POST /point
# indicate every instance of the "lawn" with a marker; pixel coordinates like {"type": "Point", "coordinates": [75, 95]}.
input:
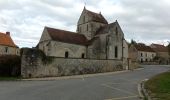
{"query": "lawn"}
{"type": "Point", "coordinates": [9, 78]}
{"type": "Point", "coordinates": [159, 86]}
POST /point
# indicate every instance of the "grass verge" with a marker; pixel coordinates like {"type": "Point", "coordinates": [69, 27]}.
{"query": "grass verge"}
{"type": "Point", "coordinates": [9, 78]}
{"type": "Point", "coordinates": [159, 86]}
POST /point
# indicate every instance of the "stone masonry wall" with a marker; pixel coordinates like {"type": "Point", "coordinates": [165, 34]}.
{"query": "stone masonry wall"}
{"type": "Point", "coordinates": [35, 65]}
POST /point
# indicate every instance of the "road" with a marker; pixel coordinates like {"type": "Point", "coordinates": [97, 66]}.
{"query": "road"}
{"type": "Point", "coordinates": [119, 86]}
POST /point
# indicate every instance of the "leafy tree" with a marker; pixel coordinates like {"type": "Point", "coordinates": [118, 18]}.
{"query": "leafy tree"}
{"type": "Point", "coordinates": [133, 42]}
{"type": "Point", "coordinates": [169, 48]}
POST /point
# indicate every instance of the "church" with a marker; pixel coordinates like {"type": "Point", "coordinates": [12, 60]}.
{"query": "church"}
{"type": "Point", "coordinates": [94, 38]}
{"type": "Point", "coordinates": [96, 47]}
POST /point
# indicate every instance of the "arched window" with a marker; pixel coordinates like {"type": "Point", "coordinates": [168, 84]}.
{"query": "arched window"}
{"type": "Point", "coordinates": [116, 51]}
{"type": "Point", "coordinates": [79, 29]}
{"type": "Point", "coordinates": [82, 56]}
{"type": "Point", "coordinates": [83, 19]}
{"type": "Point", "coordinates": [66, 54]}
{"type": "Point", "coordinates": [87, 27]}
{"type": "Point", "coordinates": [116, 31]}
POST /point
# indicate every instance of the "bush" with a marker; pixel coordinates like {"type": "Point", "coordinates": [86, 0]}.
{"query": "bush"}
{"type": "Point", "coordinates": [10, 65]}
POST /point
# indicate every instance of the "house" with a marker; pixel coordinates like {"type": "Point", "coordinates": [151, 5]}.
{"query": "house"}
{"type": "Point", "coordinates": [141, 53]}
{"type": "Point", "coordinates": [94, 38]}
{"type": "Point", "coordinates": [161, 53]}
{"type": "Point", "coordinates": [7, 45]}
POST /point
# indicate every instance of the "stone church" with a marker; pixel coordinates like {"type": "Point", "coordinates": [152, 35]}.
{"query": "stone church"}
{"type": "Point", "coordinates": [94, 38]}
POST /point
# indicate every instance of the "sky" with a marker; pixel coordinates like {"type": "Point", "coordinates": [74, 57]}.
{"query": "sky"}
{"type": "Point", "coordinates": [146, 21]}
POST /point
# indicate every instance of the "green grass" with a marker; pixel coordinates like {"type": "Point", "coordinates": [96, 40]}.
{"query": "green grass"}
{"type": "Point", "coordinates": [9, 78]}
{"type": "Point", "coordinates": [159, 86]}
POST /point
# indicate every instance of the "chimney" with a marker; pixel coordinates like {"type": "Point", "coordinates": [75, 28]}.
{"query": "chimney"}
{"type": "Point", "coordinates": [8, 33]}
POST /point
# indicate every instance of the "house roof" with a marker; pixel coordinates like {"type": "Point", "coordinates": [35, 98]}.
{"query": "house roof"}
{"type": "Point", "coordinates": [67, 36]}
{"type": "Point", "coordinates": [159, 48]}
{"type": "Point", "coordinates": [6, 40]}
{"type": "Point", "coordinates": [97, 17]}
{"type": "Point", "coordinates": [105, 29]}
{"type": "Point", "coordinates": [142, 47]}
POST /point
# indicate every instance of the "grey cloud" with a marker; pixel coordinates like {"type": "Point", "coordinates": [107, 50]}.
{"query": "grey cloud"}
{"type": "Point", "coordinates": [143, 20]}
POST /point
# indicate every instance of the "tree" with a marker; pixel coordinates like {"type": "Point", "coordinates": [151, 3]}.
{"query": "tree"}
{"type": "Point", "coordinates": [169, 48]}
{"type": "Point", "coordinates": [133, 41]}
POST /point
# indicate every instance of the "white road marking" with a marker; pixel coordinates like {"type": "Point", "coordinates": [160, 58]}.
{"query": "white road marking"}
{"type": "Point", "coordinates": [124, 91]}
{"type": "Point", "coordinates": [120, 98]}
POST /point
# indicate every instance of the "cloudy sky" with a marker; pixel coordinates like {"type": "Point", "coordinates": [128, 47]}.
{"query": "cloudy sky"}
{"type": "Point", "coordinates": [142, 20]}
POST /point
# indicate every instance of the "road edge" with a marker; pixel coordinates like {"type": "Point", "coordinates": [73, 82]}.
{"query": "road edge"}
{"type": "Point", "coordinates": [143, 93]}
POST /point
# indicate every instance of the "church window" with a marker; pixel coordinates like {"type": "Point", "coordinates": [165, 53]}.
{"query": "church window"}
{"type": "Point", "coordinates": [116, 31]}
{"type": "Point", "coordinates": [87, 27]}
{"type": "Point", "coordinates": [79, 29]}
{"type": "Point", "coordinates": [43, 48]}
{"type": "Point", "coordinates": [82, 56]}
{"type": "Point", "coordinates": [84, 19]}
{"type": "Point", "coordinates": [66, 54]}
{"type": "Point", "coordinates": [116, 51]}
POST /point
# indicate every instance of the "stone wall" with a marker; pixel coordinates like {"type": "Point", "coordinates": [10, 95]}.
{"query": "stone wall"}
{"type": "Point", "coordinates": [35, 64]}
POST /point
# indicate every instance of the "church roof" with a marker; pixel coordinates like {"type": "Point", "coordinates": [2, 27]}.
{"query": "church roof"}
{"type": "Point", "coordinates": [66, 36]}
{"type": "Point", "coordinates": [97, 17]}
{"type": "Point", "coordinates": [105, 29]}
{"type": "Point", "coordinates": [6, 40]}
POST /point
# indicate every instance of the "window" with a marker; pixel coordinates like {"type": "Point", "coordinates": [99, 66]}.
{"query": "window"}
{"type": "Point", "coordinates": [66, 54]}
{"type": "Point", "coordinates": [82, 56]}
{"type": "Point", "coordinates": [141, 54]}
{"type": "Point", "coordinates": [79, 29]}
{"type": "Point", "coordinates": [6, 49]}
{"type": "Point", "coordinates": [116, 31]}
{"type": "Point", "coordinates": [146, 54]}
{"type": "Point", "coordinates": [84, 19]}
{"type": "Point", "coordinates": [116, 52]}
{"type": "Point", "coordinates": [87, 27]}
{"type": "Point", "coordinates": [44, 48]}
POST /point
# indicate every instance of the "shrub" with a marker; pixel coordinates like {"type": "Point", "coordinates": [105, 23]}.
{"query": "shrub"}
{"type": "Point", "coordinates": [10, 65]}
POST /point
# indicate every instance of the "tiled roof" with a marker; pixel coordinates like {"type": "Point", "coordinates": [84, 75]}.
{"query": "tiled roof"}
{"type": "Point", "coordinates": [97, 17]}
{"type": "Point", "coordinates": [66, 36]}
{"type": "Point", "coordinates": [6, 40]}
{"type": "Point", "coordinates": [159, 48]}
{"type": "Point", "coordinates": [142, 47]}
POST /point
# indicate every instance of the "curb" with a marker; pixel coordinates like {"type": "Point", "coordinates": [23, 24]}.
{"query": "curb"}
{"type": "Point", "coordinates": [73, 77]}
{"type": "Point", "coordinates": [143, 93]}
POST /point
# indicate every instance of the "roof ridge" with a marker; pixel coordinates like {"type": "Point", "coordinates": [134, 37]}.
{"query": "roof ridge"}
{"type": "Point", "coordinates": [59, 29]}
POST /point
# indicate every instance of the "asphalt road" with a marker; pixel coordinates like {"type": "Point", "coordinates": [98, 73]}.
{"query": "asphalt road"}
{"type": "Point", "coordinates": [119, 86]}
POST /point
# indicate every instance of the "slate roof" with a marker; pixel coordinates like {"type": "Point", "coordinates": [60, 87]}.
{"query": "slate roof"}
{"type": "Point", "coordinates": [67, 36]}
{"type": "Point", "coordinates": [159, 48]}
{"type": "Point", "coordinates": [142, 47]}
{"type": "Point", "coordinates": [6, 40]}
{"type": "Point", "coordinates": [97, 17]}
